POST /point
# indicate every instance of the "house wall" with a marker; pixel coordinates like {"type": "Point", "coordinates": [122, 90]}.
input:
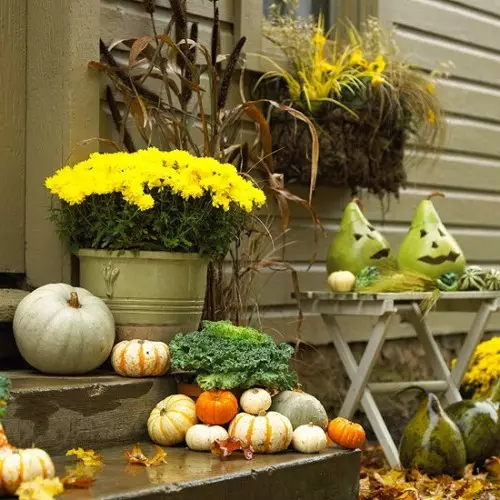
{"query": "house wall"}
{"type": "Point", "coordinates": [429, 32]}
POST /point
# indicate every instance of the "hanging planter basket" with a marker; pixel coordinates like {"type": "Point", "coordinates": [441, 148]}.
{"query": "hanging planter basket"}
{"type": "Point", "coordinates": [366, 151]}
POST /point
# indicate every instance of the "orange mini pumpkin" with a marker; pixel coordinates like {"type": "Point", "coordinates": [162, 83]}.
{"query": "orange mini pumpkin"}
{"type": "Point", "coordinates": [345, 433]}
{"type": "Point", "coordinates": [216, 407]}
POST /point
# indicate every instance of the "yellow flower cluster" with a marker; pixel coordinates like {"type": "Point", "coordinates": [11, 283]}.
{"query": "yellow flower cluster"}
{"type": "Point", "coordinates": [484, 369]}
{"type": "Point", "coordinates": [134, 174]}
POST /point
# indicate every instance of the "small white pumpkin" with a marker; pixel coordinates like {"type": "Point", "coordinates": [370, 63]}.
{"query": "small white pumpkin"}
{"type": "Point", "coordinates": [267, 433]}
{"type": "Point", "coordinates": [341, 281]}
{"type": "Point", "coordinates": [19, 465]}
{"type": "Point", "coordinates": [309, 439]}
{"type": "Point", "coordinates": [140, 358]}
{"type": "Point", "coordinates": [201, 436]}
{"type": "Point", "coordinates": [170, 420]}
{"type": "Point", "coordinates": [64, 330]}
{"type": "Point", "coordinates": [254, 401]}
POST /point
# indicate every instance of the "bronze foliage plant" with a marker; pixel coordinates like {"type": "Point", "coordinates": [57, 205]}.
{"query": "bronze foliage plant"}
{"type": "Point", "coordinates": [177, 90]}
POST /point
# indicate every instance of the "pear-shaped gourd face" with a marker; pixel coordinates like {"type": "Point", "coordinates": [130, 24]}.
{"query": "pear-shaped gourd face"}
{"type": "Point", "coordinates": [356, 244]}
{"type": "Point", "coordinates": [428, 248]}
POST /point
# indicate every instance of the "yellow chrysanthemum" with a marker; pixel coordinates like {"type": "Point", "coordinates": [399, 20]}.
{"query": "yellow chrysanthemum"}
{"type": "Point", "coordinates": [134, 175]}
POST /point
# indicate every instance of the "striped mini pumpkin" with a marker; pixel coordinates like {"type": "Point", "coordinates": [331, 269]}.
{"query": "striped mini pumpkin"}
{"type": "Point", "coordinates": [140, 358]}
{"type": "Point", "coordinates": [19, 465]}
{"type": "Point", "coordinates": [171, 419]}
{"type": "Point", "coordinates": [266, 433]}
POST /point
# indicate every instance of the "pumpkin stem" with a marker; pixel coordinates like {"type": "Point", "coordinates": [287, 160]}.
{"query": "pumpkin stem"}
{"type": "Point", "coordinates": [434, 194]}
{"type": "Point", "coordinates": [73, 301]}
{"type": "Point", "coordinates": [359, 203]}
{"type": "Point", "coordinates": [262, 413]}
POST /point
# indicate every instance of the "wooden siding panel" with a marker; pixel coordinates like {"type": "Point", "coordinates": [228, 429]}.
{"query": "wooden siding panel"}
{"type": "Point", "coordinates": [12, 134]}
{"type": "Point", "coordinates": [489, 6]}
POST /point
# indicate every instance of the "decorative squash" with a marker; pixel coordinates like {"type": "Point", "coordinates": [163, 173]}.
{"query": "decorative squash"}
{"type": "Point", "coordinates": [309, 439]}
{"type": "Point", "coordinates": [266, 433]}
{"type": "Point", "coordinates": [64, 330]}
{"type": "Point", "coordinates": [341, 281]}
{"type": "Point", "coordinates": [170, 420]}
{"type": "Point", "coordinates": [346, 434]}
{"type": "Point", "coordinates": [447, 282]}
{"type": "Point", "coordinates": [473, 279]}
{"type": "Point", "coordinates": [18, 465]}
{"type": "Point", "coordinates": [201, 436]}
{"type": "Point", "coordinates": [216, 407]}
{"type": "Point", "coordinates": [140, 358]}
{"type": "Point", "coordinates": [254, 401]}
{"type": "Point", "coordinates": [492, 280]}
{"type": "Point", "coordinates": [300, 408]}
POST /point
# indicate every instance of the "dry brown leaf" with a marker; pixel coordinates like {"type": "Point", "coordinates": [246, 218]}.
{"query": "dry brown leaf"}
{"type": "Point", "coordinates": [492, 465]}
{"type": "Point", "coordinates": [80, 475]}
{"type": "Point", "coordinates": [225, 447]}
{"type": "Point", "coordinates": [40, 489]}
{"type": "Point", "coordinates": [88, 457]}
{"type": "Point", "coordinates": [137, 457]}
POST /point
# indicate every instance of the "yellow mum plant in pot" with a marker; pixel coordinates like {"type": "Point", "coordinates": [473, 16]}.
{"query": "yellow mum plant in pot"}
{"type": "Point", "coordinates": [145, 226]}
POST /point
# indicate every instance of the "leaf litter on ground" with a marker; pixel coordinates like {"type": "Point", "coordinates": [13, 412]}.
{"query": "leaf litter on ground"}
{"type": "Point", "coordinates": [379, 482]}
{"type": "Point", "coordinates": [137, 457]}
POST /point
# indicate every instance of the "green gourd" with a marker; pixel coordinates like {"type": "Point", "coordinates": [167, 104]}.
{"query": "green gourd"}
{"type": "Point", "coordinates": [300, 408]}
{"type": "Point", "coordinates": [432, 442]}
{"type": "Point", "coordinates": [492, 280]}
{"type": "Point", "coordinates": [448, 282]}
{"type": "Point", "coordinates": [473, 279]}
{"type": "Point", "coordinates": [428, 248]}
{"type": "Point", "coordinates": [479, 424]}
{"type": "Point", "coordinates": [357, 244]}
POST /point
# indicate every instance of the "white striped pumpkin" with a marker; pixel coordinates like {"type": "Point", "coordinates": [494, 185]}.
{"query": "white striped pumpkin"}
{"type": "Point", "coordinates": [266, 433]}
{"type": "Point", "coordinates": [171, 419]}
{"type": "Point", "coordinates": [19, 465]}
{"type": "Point", "coordinates": [140, 358]}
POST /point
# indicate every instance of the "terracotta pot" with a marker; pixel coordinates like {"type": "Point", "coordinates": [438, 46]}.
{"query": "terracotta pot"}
{"type": "Point", "coordinates": [152, 295]}
{"type": "Point", "coordinates": [194, 391]}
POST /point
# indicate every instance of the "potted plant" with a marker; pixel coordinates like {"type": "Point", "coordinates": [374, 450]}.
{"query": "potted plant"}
{"type": "Point", "coordinates": [364, 100]}
{"type": "Point", "coordinates": [145, 225]}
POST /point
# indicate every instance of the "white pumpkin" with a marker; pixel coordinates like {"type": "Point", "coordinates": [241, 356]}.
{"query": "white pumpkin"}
{"type": "Point", "coordinates": [64, 330]}
{"type": "Point", "coordinates": [201, 436]}
{"type": "Point", "coordinates": [254, 401]}
{"type": "Point", "coordinates": [309, 439]}
{"type": "Point", "coordinates": [266, 433]}
{"type": "Point", "coordinates": [19, 465]}
{"type": "Point", "coordinates": [140, 358]}
{"type": "Point", "coordinates": [170, 420]}
{"type": "Point", "coordinates": [341, 281]}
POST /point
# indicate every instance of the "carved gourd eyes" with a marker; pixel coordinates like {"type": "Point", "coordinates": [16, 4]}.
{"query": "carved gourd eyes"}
{"type": "Point", "coordinates": [371, 228]}
{"type": "Point", "coordinates": [423, 233]}
{"type": "Point", "coordinates": [357, 236]}
{"type": "Point", "coordinates": [441, 233]}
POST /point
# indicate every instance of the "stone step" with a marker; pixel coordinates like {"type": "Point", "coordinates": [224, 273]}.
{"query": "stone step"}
{"type": "Point", "coordinates": [188, 475]}
{"type": "Point", "coordinates": [102, 409]}
{"type": "Point", "coordinates": [9, 300]}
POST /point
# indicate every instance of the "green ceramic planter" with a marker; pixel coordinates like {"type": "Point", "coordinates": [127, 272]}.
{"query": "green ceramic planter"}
{"type": "Point", "coordinates": [152, 295]}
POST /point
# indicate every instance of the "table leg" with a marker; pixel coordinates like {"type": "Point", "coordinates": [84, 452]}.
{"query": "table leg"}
{"type": "Point", "coordinates": [431, 348]}
{"type": "Point", "coordinates": [353, 372]}
{"type": "Point", "coordinates": [472, 340]}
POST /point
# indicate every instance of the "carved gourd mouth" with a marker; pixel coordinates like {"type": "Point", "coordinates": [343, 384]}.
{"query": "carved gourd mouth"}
{"type": "Point", "coordinates": [440, 259]}
{"type": "Point", "coordinates": [381, 254]}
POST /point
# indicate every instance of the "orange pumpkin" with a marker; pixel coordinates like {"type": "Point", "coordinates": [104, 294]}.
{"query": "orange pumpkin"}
{"type": "Point", "coordinates": [216, 407]}
{"type": "Point", "coordinates": [345, 433]}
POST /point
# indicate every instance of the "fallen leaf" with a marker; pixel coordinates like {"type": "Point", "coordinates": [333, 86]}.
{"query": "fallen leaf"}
{"type": "Point", "coordinates": [82, 482]}
{"type": "Point", "coordinates": [80, 475]}
{"type": "Point", "coordinates": [492, 465]}
{"type": "Point", "coordinates": [88, 457]}
{"type": "Point", "coordinates": [137, 457]}
{"type": "Point", "coordinates": [225, 447]}
{"type": "Point", "coordinates": [40, 489]}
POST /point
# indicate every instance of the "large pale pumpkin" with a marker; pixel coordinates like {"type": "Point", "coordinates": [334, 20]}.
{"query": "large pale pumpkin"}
{"type": "Point", "coordinates": [200, 437]}
{"type": "Point", "coordinates": [140, 358]}
{"type": "Point", "coordinates": [267, 433]}
{"type": "Point", "coordinates": [18, 465]}
{"type": "Point", "coordinates": [300, 408]}
{"type": "Point", "coordinates": [170, 420]}
{"type": "Point", "coordinates": [64, 330]}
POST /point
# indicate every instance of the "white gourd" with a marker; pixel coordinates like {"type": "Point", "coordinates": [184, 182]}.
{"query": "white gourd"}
{"type": "Point", "coordinates": [60, 329]}
{"type": "Point", "coordinates": [309, 439]}
{"type": "Point", "coordinates": [266, 433]}
{"type": "Point", "coordinates": [341, 281]}
{"type": "Point", "coordinates": [254, 401]}
{"type": "Point", "coordinates": [170, 420]}
{"type": "Point", "coordinates": [201, 436]}
{"type": "Point", "coordinates": [19, 465]}
{"type": "Point", "coordinates": [140, 358]}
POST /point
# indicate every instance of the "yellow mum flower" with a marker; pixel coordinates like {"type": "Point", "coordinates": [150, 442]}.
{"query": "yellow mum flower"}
{"type": "Point", "coordinates": [358, 59]}
{"type": "Point", "coordinates": [431, 117]}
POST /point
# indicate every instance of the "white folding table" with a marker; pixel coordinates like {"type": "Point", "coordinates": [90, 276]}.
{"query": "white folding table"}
{"type": "Point", "coordinates": [384, 307]}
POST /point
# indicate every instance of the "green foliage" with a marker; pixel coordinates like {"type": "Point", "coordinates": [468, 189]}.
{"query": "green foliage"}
{"type": "Point", "coordinates": [5, 386]}
{"type": "Point", "coordinates": [366, 277]}
{"type": "Point", "coordinates": [228, 356]}
{"type": "Point", "coordinates": [173, 224]}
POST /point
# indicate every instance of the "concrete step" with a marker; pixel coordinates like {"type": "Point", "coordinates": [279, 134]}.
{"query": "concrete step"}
{"type": "Point", "coordinates": [58, 413]}
{"type": "Point", "coordinates": [188, 475]}
{"type": "Point", "coordinates": [9, 300]}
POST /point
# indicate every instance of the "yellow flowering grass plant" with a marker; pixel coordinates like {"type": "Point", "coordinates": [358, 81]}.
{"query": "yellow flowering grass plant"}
{"type": "Point", "coordinates": [484, 368]}
{"type": "Point", "coordinates": [153, 200]}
